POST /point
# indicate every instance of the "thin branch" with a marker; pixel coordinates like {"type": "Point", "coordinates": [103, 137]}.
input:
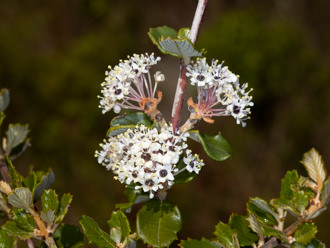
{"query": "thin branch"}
{"type": "Point", "coordinates": [196, 25]}
{"type": "Point", "coordinates": [273, 242]}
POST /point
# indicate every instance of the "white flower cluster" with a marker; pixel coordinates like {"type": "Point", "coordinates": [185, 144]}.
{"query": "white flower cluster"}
{"type": "Point", "coordinates": [216, 85]}
{"type": "Point", "coordinates": [146, 158]}
{"type": "Point", "coordinates": [127, 82]}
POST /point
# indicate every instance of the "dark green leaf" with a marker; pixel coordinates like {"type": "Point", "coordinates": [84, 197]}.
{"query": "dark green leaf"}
{"type": "Point", "coordinates": [158, 223]}
{"type": "Point", "coordinates": [240, 225]}
{"type": "Point", "coordinates": [119, 222]}
{"type": "Point", "coordinates": [216, 147]}
{"type": "Point", "coordinates": [300, 200]}
{"type": "Point", "coordinates": [63, 207]}
{"type": "Point", "coordinates": [270, 231]}
{"type": "Point", "coordinates": [44, 183]}
{"type": "Point", "coordinates": [94, 234]}
{"type": "Point", "coordinates": [16, 134]}
{"type": "Point", "coordinates": [131, 119]}
{"type": "Point", "coordinates": [291, 177]}
{"type": "Point", "coordinates": [156, 34]}
{"type": "Point", "coordinates": [49, 200]}
{"type": "Point", "coordinates": [264, 212]}
{"type": "Point", "coordinates": [4, 99]}
{"type": "Point", "coordinates": [204, 243]}
{"type": "Point", "coordinates": [224, 234]}
{"type": "Point", "coordinates": [6, 241]}
{"type": "Point", "coordinates": [23, 220]}
{"type": "Point", "coordinates": [68, 236]}
{"type": "Point", "coordinates": [21, 198]}
{"type": "Point", "coordinates": [185, 176]}
{"type": "Point", "coordinates": [305, 233]}
{"type": "Point", "coordinates": [30, 181]}
{"type": "Point", "coordinates": [14, 176]}
{"type": "Point", "coordinates": [114, 131]}
{"type": "Point", "coordinates": [12, 229]}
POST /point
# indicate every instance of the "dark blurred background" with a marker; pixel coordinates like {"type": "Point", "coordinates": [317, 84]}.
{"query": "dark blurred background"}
{"type": "Point", "coordinates": [53, 55]}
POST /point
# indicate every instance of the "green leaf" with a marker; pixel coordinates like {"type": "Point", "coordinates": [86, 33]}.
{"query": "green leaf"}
{"type": "Point", "coordinates": [305, 233]}
{"type": "Point", "coordinates": [16, 134]}
{"type": "Point", "coordinates": [184, 33]}
{"type": "Point", "coordinates": [6, 241]}
{"type": "Point", "coordinates": [14, 176]}
{"type": "Point", "coordinates": [49, 200]}
{"type": "Point", "coordinates": [291, 177]}
{"type": "Point", "coordinates": [68, 236]}
{"type": "Point", "coordinates": [255, 226]}
{"type": "Point", "coordinates": [94, 233]}
{"type": "Point", "coordinates": [204, 243]}
{"type": "Point", "coordinates": [185, 176]}
{"type": "Point", "coordinates": [131, 119]}
{"type": "Point", "coordinates": [63, 207]}
{"type": "Point", "coordinates": [156, 34]}
{"type": "Point", "coordinates": [48, 216]}
{"type": "Point", "coordinates": [30, 181]}
{"type": "Point", "coordinates": [314, 244]}
{"type": "Point", "coordinates": [21, 198]}
{"type": "Point", "coordinates": [224, 234]}
{"type": "Point", "coordinates": [4, 99]}
{"type": "Point", "coordinates": [216, 147]}
{"type": "Point", "coordinates": [119, 224]}
{"type": "Point", "coordinates": [300, 200]}
{"type": "Point", "coordinates": [240, 225]}
{"type": "Point", "coordinates": [44, 183]}
{"type": "Point", "coordinates": [270, 231]}
{"type": "Point", "coordinates": [264, 212]}
{"type": "Point", "coordinates": [158, 223]}
{"type": "Point", "coordinates": [286, 205]}
{"type": "Point", "coordinates": [134, 197]}
{"type": "Point", "coordinates": [2, 117]}
{"type": "Point", "coordinates": [12, 229]}
{"type": "Point", "coordinates": [114, 131]}
{"type": "Point", "coordinates": [23, 220]}
{"type": "Point", "coordinates": [325, 191]}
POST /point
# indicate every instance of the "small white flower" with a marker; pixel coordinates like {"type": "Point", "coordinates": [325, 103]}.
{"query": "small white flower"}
{"type": "Point", "coordinates": [194, 164]}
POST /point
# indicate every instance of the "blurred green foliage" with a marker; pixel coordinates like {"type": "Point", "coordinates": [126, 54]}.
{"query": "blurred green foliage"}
{"type": "Point", "coordinates": [53, 56]}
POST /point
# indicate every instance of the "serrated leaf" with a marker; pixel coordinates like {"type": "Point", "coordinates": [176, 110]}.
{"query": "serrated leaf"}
{"type": "Point", "coordinates": [68, 236]}
{"type": "Point", "coordinates": [300, 200]}
{"type": "Point", "coordinates": [95, 234]}
{"type": "Point", "coordinates": [224, 234]}
{"type": "Point", "coordinates": [14, 176]}
{"type": "Point", "coordinates": [305, 233]}
{"type": "Point", "coordinates": [204, 243]}
{"type": "Point", "coordinates": [290, 178]}
{"type": "Point", "coordinates": [23, 220]}
{"type": "Point", "coordinates": [49, 200]}
{"type": "Point", "coordinates": [44, 183]}
{"type": "Point", "coordinates": [216, 147]}
{"type": "Point", "coordinates": [4, 99]}
{"type": "Point", "coordinates": [265, 214]}
{"type": "Point", "coordinates": [131, 119]}
{"type": "Point", "coordinates": [240, 225]}
{"type": "Point", "coordinates": [21, 198]}
{"type": "Point", "coordinates": [158, 223]}
{"type": "Point", "coordinates": [325, 191]}
{"type": "Point", "coordinates": [314, 166]}
{"type": "Point", "coordinates": [48, 216]}
{"type": "Point", "coordinates": [286, 205]}
{"type": "Point", "coordinates": [63, 207]}
{"type": "Point", "coordinates": [6, 241]}
{"type": "Point", "coordinates": [315, 243]}
{"type": "Point", "coordinates": [156, 34]}
{"type": "Point", "coordinates": [16, 134]}
{"type": "Point", "coordinates": [119, 226]}
{"type": "Point", "coordinates": [30, 181]}
{"type": "Point", "coordinates": [270, 231]}
{"type": "Point", "coordinates": [255, 226]}
{"type": "Point", "coordinates": [12, 229]}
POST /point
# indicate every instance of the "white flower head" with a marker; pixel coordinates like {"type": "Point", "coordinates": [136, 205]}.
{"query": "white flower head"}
{"type": "Point", "coordinates": [194, 164]}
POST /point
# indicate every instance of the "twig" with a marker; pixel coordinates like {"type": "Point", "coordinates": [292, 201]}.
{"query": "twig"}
{"type": "Point", "coordinates": [182, 81]}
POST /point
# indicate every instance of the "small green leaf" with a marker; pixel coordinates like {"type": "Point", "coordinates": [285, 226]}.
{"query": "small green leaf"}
{"type": "Point", "coordinates": [14, 176]}
{"type": "Point", "coordinates": [255, 226]}
{"type": "Point", "coordinates": [300, 200]}
{"type": "Point", "coordinates": [44, 183]}
{"type": "Point", "coordinates": [131, 119]}
{"type": "Point", "coordinates": [184, 33]}
{"type": "Point", "coordinates": [240, 225]}
{"type": "Point", "coordinates": [119, 222]}
{"type": "Point", "coordinates": [63, 207]}
{"type": "Point", "coordinates": [156, 34]}
{"type": "Point", "coordinates": [49, 200]}
{"type": "Point", "coordinates": [325, 191]}
{"type": "Point", "coordinates": [270, 231]}
{"type": "Point", "coordinates": [290, 178]}
{"type": "Point", "coordinates": [23, 220]}
{"type": "Point", "coordinates": [204, 243]}
{"type": "Point", "coordinates": [6, 241]}
{"type": "Point", "coordinates": [4, 99]}
{"type": "Point", "coordinates": [94, 233]}
{"type": "Point", "coordinates": [286, 205]}
{"type": "Point", "coordinates": [12, 229]}
{"type": "Point", "coordinates": [264, 212]}
{"type": "Point", "coordinates": [305, 233]}
{"type": "Point", "coordinates": [216, 147]}
{"type": "Point", "coordinates": [30, 181]}
{"type": "Point", "coordinates": [158, 223]}
{"type": "Point", "coordinates": [48, 216]}
{"type": "Point", "coordinates": [21, 198]}
{"type": "Point", "coordinates": [224, 234]}
{"type": "Point", "coordinates": [68, 236]}
{"type": "Point", "coordinates": [16, 134]}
